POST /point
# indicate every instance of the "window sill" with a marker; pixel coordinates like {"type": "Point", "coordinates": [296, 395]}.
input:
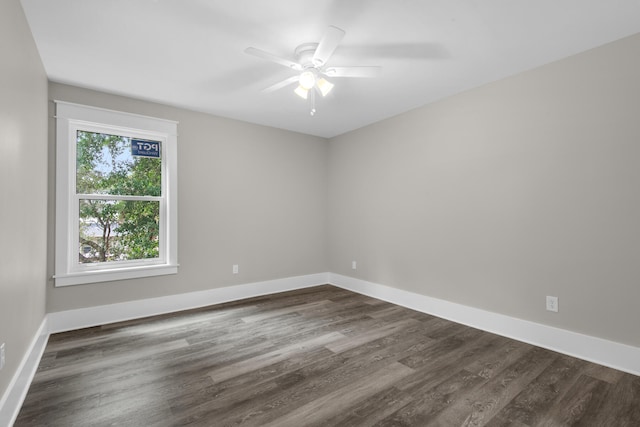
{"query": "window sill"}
{"type": "Point", "coordinates": [114, 274]}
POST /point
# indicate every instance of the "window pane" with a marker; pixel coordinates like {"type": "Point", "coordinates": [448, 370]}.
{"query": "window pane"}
{"type": "Point", "coordinates": [105, 165]}
{"type": "Point", "coordinates": [118, 230]}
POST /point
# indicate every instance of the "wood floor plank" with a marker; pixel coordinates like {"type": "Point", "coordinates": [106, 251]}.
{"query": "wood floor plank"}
{"type": "Point", "coordinates": [485, 349]}
{"type": "Point", "coordinates": [479, 407]}
{"type": "Point", "coordinates": [316, 412]}
{"type": "Point", "coordinates": [622, 405]}
{"type": "Point", "coordinates": [429, 401]}
{"type": "Point", "coordinates": [580, 405]}
{"type": "Point", "coordinates": [531, 405]}
{"type": "Point", "coordinates": [263, 315]}
{"type": "Point", "coordinates": [304, 385]}
{"type": "Point", "coordinates": [371, 410]}
{"type": "Point", "coordinates": [446, 347]}
{"type": "Point", "coordinates": [320, 356]}
{"type": "Point", "coordinates": [278, 395]}
{"type": "Point", "coordinates": [272, 357]}
{"type": "Point", "coordinates": [240, 395]}
{"type": "Point", "coordinates": [347, 343]}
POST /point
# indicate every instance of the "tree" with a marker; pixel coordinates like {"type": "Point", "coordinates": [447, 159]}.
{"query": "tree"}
{"type": "Point", "coordinates": [114, 229]}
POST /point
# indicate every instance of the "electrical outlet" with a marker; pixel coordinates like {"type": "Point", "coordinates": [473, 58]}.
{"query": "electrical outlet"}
{"type": "Point", "coordinates": [1, 355]}
{"type": "Point", "coordinates": [353, 265]}
{"type": "Point", "coordinates": [552, 303]}
{"type": "Point", "coordinates": [235, 268]}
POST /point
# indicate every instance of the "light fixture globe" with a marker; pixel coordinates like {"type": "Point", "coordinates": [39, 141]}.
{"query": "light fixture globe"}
{"type": "Point", "coordinates": [324, 86]}
{"type": "Point", "coordinates": [307, 79]}
{"type": "Point", "coordinates": [301, 92]}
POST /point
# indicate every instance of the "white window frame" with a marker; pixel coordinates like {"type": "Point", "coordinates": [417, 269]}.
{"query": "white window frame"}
{"type": "Point", "coordinates": [73, 117]}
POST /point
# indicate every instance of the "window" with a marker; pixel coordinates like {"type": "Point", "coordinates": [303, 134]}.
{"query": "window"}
{"type": "Point", "coordinates": [116, 184]}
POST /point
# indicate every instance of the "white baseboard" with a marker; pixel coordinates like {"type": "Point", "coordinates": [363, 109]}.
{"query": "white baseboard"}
{"type": "Point", "coordinates": [608, 353]}
{"type": "Point", "coordinates": [13, 397]}
{"type": "Point", "coordinates": [16, 392]}
{"type": "Point", "coordinates": [101, 315]}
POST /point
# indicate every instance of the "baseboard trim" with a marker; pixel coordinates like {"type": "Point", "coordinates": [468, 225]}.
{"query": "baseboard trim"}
{"type": "Point", "coordinates": [13, 397]}
{"type": "Point", "coordinates": [101, 315]}
{"type": "Point", "coordinates": [597, 350]}
{"type": "Point", "coordinates": [62, 321]}
{"type": "Point", "coordinates": [608, 353]}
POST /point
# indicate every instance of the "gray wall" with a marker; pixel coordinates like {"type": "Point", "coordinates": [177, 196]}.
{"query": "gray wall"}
{"type": "Point", "coordinates": [503, 194]}
{"type": "Point", "coordinates": [248, 195]}
{"type": "Point", "coordinates": [23, 187]}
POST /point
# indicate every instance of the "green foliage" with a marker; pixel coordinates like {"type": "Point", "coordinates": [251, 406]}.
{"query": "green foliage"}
{"type": "Point", "coordinates": [112, 230]}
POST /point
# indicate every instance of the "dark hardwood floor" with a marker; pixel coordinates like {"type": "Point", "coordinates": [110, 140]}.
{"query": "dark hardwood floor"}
{"type": "Point", "coordinates": [321, 356]}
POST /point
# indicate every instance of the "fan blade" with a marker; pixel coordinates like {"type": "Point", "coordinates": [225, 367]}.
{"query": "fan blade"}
{"type": "Point", "coordinates": [353, 71]}
{"type": "Point", "coordinates": [327, 45]}
{"type": "Point", "coordinates": [280, 85]}
{"type": "Point", "coordinates": [273, 58]}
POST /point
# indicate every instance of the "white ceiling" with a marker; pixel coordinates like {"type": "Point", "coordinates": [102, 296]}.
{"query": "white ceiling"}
{"type": "Point", "coordinates": [190, 53]}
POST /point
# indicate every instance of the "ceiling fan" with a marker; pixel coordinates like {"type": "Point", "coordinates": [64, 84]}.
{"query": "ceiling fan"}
{"type": "Point", "coordinates": [310, 63]}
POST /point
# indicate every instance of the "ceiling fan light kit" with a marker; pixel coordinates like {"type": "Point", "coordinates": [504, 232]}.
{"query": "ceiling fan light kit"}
{"type": "Point", "coordinates": [307, 79]}
{"type": "Point", "coordinates": [301, 92]}
{"type": "Point", "coordinates": [311, 61]}
{"type": "Point", "coordinates": [324, 86]}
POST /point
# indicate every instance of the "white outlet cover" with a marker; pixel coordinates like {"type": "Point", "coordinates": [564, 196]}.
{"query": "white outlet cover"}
{"type": "Point", "coordinates": [552, 303]}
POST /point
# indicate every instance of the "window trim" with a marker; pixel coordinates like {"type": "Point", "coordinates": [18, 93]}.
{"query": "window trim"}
{"type": "Point", "coordinates": [71, 117]}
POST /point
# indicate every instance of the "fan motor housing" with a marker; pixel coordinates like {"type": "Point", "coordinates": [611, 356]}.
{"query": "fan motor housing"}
{"type": "Point", "coordinates": [304, 54]}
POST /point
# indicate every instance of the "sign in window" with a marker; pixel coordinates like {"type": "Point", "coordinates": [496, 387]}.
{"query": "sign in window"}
{"type": "Point", "coordinates": [143, 148]}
